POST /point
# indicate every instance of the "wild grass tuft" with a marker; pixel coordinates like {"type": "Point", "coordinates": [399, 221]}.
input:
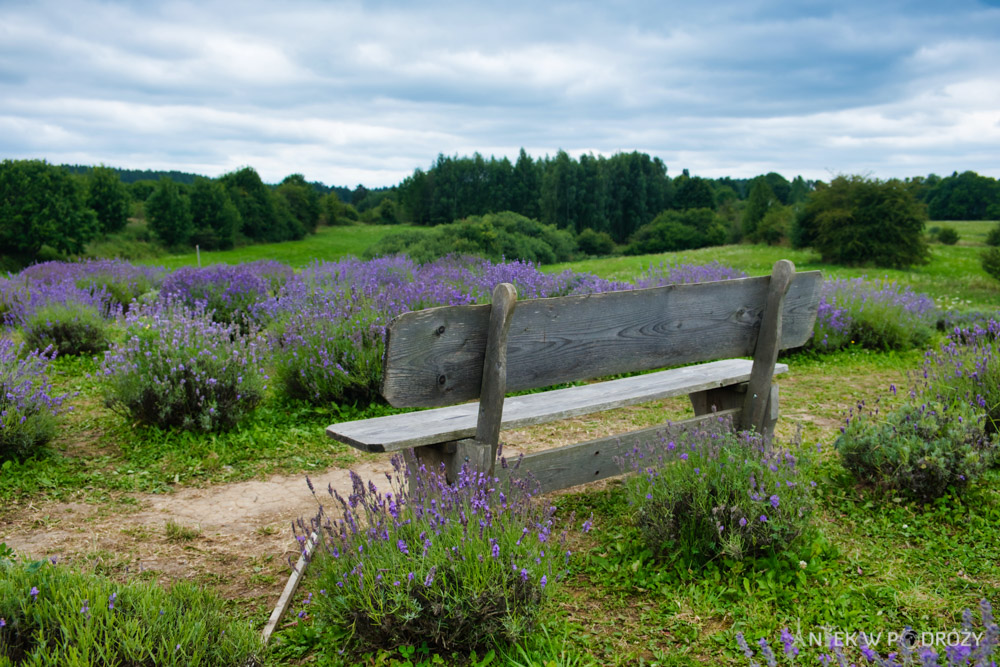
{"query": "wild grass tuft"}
{"type": "Point", "coordinates": [51, 615]}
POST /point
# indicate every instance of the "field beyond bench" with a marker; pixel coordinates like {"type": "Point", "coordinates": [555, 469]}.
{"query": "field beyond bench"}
{"type": "Point", "coordinates": [444, 357]}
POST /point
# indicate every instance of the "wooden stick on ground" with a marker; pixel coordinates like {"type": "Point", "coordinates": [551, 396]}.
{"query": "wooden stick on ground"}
{"type": "Point", "coordinates": [285, 600]}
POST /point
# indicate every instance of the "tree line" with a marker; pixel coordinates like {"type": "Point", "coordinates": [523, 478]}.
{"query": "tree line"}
{"type": "Point", "coordinates": [49, 212]}
{"type": "Point", "coordinates": [623, 203]}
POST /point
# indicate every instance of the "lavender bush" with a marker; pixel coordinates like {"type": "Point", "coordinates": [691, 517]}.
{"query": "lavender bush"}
{"type": "Point", "coordinates": [967, 368]}
{"type": "Point", "coordinates": [120, 282]}
{"type": "Point", "coordinates": [460, 567]}
{"type": "Point", "coordinates": [176, 368]}
{"type": "Point", "coordinates": [921, 449]}
{"type": "Point", "coordinates": [27, 405]}
{"type": "Point", "coordinates": [878, 315]}
{"type": "Point", "coordinates": [713, 492]}
{"type": "Point", "coordinates": [230, 294]}
{"type": "Point", "coordinates": [975, 647]}
{"type": "Point", "coordinates": [68, 328]}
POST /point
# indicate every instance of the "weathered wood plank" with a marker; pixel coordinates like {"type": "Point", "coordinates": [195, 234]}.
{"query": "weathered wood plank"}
{"type": "Point", "coordinates": [755, 410]}
{"type": "Point", "coordinates": [395, 432]}
{"type": "Point", "coordinates": [563, 467]}
{"type": "Point", "coordinates": [494, 387]}
{"type": "Point", "coordinates": [434, 357]}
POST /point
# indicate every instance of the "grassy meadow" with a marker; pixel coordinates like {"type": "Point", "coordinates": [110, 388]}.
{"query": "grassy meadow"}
{"type": "Point", "coordinates": [872, 562]}
{"type": "Point", "coordinates": [328, 243]}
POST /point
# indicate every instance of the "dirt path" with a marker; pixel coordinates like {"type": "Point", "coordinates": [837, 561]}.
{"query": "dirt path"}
{"type": "Point", "coordinates": [236, 537]}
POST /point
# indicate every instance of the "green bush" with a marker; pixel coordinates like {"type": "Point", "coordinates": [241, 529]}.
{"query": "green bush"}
{"type": "Point", "coordinates": [947, 235]}
{"type": "Point", "coordinates": [991, 262]}
{"type": "Point", "coordinates": [718, 493]}
{"type": "Point", "coordinates": [993, 238]}
{"type": "Point", "coordinates": [921, 449]}
{"type": "Point", "coordinates": [495, 236]}
{"type": "Point", "coordinates": [68, 328]}
{"type": "Point", "coordinates": [54, 616]}
{"type": "Point", "coordinates": [679, 230]}
{"type": "Point", "coordinates": [595, 243]}
{"type": "Point", "coordinates": [860, 221]}
{"type": "Point", "coordinates": [776, 224]}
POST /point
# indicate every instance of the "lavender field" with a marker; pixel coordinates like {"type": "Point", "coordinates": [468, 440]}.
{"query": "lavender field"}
{"type": "Point", "coordinates": [129, 386]}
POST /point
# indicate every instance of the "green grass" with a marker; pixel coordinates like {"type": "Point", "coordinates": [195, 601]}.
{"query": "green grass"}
{"type": "Point", "coordinates": [328, 243]}
{"type": "Point", "coordinates": [954, 276]}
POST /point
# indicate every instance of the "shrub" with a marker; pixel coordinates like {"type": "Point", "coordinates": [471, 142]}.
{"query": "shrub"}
{"type": "Point", "coordinates": [68, 328]}
{"type": "Point", "coordinates": [775, 225]}
{"type": "Point", "coordinates": [176, 368]}
{"type": "Point", "coordinates": [991, 262]}
{"type": "Point", "coordinates": [860, 221]}
{"type": "Point", "coordinates": [877, 315]}
{"type": "Point", "coordinates": [947, 235]}
{"type": "Point", "coordinates": [967, 368]}
{"type": "Point", "coordinates": [461, 567]}
{"type": "Point", "coordinates": [495, 236]}
{"type": "Point", "coordinates": [993, 237]}
{"type": "Point", "coordinates": [27, 405]}
{"type": "Point", "coordinates": [591, 242]}
{"type": "Point", "coordinates": [921, 449]}
{"type": "Point", "coordinates": [679, 230]}
{"type": "Point", "coordinates": [52, 615]}
{"type": "Point", "coordinates": [717, 493]}
{"type": "Point", "coordinates": [682, 274]}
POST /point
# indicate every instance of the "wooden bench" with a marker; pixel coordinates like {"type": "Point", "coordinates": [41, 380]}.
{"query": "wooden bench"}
{"type": "Point", "coordinates": [444, 357]}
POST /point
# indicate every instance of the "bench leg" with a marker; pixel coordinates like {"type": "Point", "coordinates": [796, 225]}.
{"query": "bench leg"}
{"type": "Point", "coordinates": [451, 456]}
{"type": "Point", "coordinates": [721, 398]}
{"type": "Point", "coordinates": [725, 398]}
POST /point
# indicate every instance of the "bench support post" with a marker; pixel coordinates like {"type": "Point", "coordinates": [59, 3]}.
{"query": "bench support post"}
{"type": "Point", "coordinates": [480, 453]}
{"type": "Point", "coordinates": [761, 400]}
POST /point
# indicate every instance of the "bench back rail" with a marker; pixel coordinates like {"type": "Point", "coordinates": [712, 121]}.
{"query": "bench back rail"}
{"type": "Point", "coordinates": [435, 357]}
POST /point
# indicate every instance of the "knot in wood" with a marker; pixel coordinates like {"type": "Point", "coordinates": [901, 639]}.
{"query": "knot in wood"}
{"type": "Point", "coordinates": [442, 379]}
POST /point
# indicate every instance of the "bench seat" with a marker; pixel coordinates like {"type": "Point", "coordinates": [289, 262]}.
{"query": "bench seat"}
{"type": "Point", "coordinates": [416, 429]}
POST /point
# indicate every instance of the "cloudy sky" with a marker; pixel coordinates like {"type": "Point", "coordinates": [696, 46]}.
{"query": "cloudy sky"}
{"type": "Point", "coordinates": [350, 93]}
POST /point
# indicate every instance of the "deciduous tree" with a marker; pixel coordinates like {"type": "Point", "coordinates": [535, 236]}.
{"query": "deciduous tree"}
{"type": "Point", "coordinates": [42, 205]}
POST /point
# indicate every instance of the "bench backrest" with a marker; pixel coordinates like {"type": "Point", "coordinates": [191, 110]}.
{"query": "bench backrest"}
{"type": "Point", "coordinates": [435, 357]}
